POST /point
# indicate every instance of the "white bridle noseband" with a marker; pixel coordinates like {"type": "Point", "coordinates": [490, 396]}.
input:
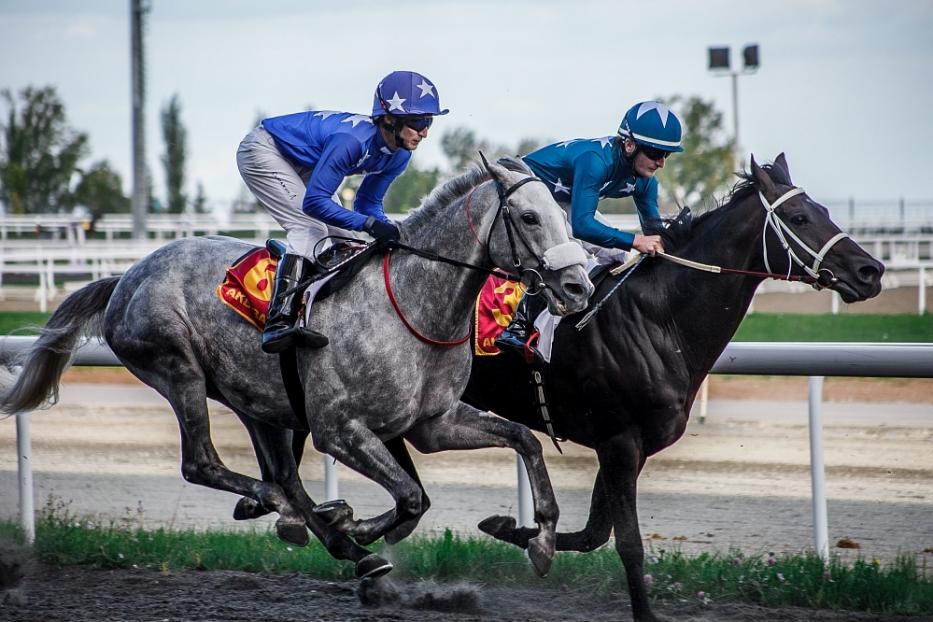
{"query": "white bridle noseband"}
{"type": "Point", "coordinates": [782, 231]}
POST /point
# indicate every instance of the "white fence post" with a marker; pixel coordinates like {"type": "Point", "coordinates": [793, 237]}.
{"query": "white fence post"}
{"type": "Point", "coordinates": [27, 512]}
{"type": "Point", "coordinates": [817, 470]}
{"type": "Point", "coordinates": [331, 485]}
{"type": "Point", "coordinates": [526, 514]}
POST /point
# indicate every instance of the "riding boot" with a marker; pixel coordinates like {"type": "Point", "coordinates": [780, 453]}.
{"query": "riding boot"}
{"type": "Point", "coordinates": [281, 329]}
{"type": "Point", "coordinates": [519, 330]}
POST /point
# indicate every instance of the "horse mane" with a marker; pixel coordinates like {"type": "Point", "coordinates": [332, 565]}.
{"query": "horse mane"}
{"type": "Point", "coordinates": [447, 193]}
{"type": "Point", "coordinates": [677, 231]}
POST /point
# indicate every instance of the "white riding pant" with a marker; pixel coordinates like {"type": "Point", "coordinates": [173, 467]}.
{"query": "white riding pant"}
{"type": "Point", "coordinates": [280, 188]}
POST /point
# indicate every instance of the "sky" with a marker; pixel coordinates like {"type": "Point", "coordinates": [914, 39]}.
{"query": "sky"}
{"type": "Point", "coordinates": [845, 87]}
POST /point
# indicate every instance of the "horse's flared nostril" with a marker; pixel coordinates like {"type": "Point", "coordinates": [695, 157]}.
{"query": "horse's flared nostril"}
{"type": "Point", "coordinates": [576, 290]}
{"type": "Point", "coordinates": [870, 273]}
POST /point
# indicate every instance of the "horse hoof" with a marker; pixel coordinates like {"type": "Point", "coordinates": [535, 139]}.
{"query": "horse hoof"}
{"type": "Point", "coordinates": [247, 509]}
{"type": "Point", "coordinates": [293, 533]}
{"type": "Point", "coordinates": [334, 512]}
{"type": "Point", "coordinates": [372, 566]}
{"type": "Point", "coordinates": [495, 525]}
{"type": "Point", "coordinates": [540, 556]}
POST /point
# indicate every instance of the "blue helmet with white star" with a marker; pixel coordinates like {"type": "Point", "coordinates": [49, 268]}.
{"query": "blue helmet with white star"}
{"type": "Point", "coordinates": [652, 124]}
{"type": "Point", "coordinates": [406, 93]}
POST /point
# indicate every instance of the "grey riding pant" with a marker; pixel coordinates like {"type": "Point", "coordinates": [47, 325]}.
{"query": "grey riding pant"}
{"type": "Point", "coordinates": [280, 188]}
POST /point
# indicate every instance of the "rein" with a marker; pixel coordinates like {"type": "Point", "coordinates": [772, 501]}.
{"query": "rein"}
{"type": "Point", "coordinates": [511, 232]}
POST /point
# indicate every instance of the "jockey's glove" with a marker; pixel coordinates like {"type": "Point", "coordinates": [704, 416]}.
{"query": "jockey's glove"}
{"type": "Point", "coordinates": [384, 232]}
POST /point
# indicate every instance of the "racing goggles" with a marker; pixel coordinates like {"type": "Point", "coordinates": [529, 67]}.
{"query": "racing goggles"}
{"type": "Point", "coordinates": [654, 154]}
{"type": "Point", "coordinates": [419, 124]}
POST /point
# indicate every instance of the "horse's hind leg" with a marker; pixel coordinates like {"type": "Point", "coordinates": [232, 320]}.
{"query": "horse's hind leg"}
{"type": "Point", "coordinates": [593, 535]}
{"type": "Point", "coordinates": [464, 427]}
{"type": "Point", "coordinates": [247, 508]}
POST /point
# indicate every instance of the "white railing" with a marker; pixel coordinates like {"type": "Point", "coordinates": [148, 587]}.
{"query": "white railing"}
{"type": "Point", "coordinates": [795, 359]}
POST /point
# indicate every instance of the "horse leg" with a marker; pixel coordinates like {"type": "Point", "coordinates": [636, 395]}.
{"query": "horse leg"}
{"type": "Point", "coordinates": [276, 450]}
{"type": "Point", "coordinates": [246, 508]}
{"type": "Point", "coordinates": [359, 448]}
{"type": "Point", "coordinates": [591, 537]}
{"type": "Point", "coordinates": [396, 447]}
{"type": "Point", "coordinates": [622, 458]}
{"type": "Point", "coordinates": [465, 427]}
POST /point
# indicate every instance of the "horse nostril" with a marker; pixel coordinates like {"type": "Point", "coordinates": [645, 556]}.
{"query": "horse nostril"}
{"type": "Point", "coordinates": [575, 290]}
{"type": "Point", "coordinates": [870, 273]}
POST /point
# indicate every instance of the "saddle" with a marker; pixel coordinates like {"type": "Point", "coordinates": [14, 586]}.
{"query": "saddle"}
{"type": "Point", "coordinates": [247, 286]}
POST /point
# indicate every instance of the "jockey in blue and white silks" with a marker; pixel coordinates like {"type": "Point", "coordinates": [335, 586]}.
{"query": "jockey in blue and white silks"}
{"type": "Point", "coordinates": [580, 172]}
{"type": "Point", "coordinates": [294, 164]}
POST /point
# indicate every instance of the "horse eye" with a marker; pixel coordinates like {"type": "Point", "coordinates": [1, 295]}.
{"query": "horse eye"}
{"type": "Point", "coordinates": [530, 218]}
{"type": "Point", "coordinates": [798, 219]}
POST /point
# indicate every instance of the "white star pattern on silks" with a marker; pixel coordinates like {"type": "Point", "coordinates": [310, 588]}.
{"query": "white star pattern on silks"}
{"type": "Point", "coordinates": [663, 111]}
{"type": "Point", "coordinates": [559, 187]}
{"type": "Point", "coordinates": [605, 140]}
{"type": "Point", "coordinates": [426, 89]}
{"type": "Point", "coordinates": [325, 113]}
{"type": "Point", "coordinates": [386, 150]}
{"type": "Point", "coordinates": [363, 159]}
{"type": "Point", "coordinates": [603, 187]}
{"type": "Point", "coordinates": [395, 103]}
{"type": "Point", "coordinates": [357, 119]}
{"type": "Point", "coordinates": [567, 142]}
{"type": "Point", "coordinates": [629, 188]}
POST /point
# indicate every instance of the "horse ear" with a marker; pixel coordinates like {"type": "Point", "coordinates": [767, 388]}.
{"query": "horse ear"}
{"type": "Point", "coordinates": [781, 163]}
{"type": "Point", "coordinates": [761, 178]}
{"type": "Point", "coordinates": [496, 170]}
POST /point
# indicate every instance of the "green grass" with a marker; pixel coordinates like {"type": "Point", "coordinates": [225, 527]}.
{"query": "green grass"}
{"type": "Point", "coordinates": [22, 322]}
{"type": "Point", "coordinates": [827, 327]}
{"type": "Point", "coordinates": [801, 580]}
{"type": "Point", "coordinates": [755, 327]}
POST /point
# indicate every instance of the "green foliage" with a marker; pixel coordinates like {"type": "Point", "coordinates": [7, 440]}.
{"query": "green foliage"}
{"type": "Point", "coordinates": [200, 200]}
{"type": "Point", "coordinates": [461, 147]}
{"type": "Point", "coordinates": [827, 327]}
{"type": "Point", "coordinates": [705, 166]}
{"type": "Point", "coordinates": [407, 191]}
{"type": "Point", "coordinates": [39, 153]}
{"type": "Point", "coordinates": [101, 191]}
{"type": "Point", "coordinates": [175, 136]}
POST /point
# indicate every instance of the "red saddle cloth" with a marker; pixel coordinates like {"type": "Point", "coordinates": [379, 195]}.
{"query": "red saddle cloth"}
{"type": "Point", "coordinates": [247, 288]}
{"type": "Point", "coordinates": [495, 306]}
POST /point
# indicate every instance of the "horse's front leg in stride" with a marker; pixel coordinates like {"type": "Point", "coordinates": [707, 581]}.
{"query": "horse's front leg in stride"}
{"type": "Point", "coordinates": [355, 445]}
{"type": "Point", "coordinates": [621, 459]}
{"type": "Point", "coordinates": [465, 427]}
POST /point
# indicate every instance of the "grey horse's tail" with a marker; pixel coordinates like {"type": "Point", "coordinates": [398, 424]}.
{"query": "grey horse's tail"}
{"type": "Point", "coordinates": [36, 384]}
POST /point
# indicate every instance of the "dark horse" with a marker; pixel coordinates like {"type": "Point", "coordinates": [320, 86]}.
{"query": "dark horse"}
{"type": "Point", "coordinates": [377, 382]}
{"type": "Point", "coordinates": [624, 385]}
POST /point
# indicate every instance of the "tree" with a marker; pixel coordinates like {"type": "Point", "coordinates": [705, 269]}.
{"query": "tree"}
{"type": "Point", "coordinates": [39, 153]}
{"type": "Point", "coordinates": [200, 200]}
{"type": "Point", "coordinates": [101, 191]}
{"type": "Point", "coordinates": [407, 191]}
{"type": "Point", "coordinates": [175, 136]}
{"type": "Point", "coordinates": [705, 166]}
{"type": "Point", "coordinates": [461, 147]}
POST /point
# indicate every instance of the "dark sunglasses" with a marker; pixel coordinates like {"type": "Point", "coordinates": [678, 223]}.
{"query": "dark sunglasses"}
{"type": "Point", "coordinates": [418, 124]}
{"type": "Point", "coordinates": [654, 154]}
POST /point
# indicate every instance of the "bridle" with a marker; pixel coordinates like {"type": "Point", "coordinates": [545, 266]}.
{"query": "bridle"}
{"type": "Point", "coordinates": [554, 258]}
{"type": "Point", "coordinates": [822, 277]}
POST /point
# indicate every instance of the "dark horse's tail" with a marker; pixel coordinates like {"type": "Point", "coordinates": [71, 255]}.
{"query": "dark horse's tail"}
{"type": "Point", "coordinates": [36, 384]}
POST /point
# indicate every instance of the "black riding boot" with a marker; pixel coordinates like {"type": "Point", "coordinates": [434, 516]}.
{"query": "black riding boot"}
{"type": "Point", "coordinates": [516, 334]}
{"type": "Point", "coordinates": [281, 329]}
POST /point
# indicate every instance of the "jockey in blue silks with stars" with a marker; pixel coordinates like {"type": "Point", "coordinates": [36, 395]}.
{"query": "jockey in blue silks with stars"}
{"type": "Point", "coordinates": [580, 172]}
{"type": "Point", "coordinates": [294, 164]}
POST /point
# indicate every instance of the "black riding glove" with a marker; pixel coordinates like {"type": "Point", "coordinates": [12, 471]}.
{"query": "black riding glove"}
{"type": "Point", "coordinates": [384, 232]}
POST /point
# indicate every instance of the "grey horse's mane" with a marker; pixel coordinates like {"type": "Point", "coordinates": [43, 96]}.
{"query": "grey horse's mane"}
{"type": "Point", "coordinates": [453, 189]}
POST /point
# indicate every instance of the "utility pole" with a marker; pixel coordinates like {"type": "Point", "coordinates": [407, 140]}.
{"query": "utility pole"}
{"type": "Point", "coordinates": [140, 200]}
{"type": "Point", "coordinates": [720, 66]}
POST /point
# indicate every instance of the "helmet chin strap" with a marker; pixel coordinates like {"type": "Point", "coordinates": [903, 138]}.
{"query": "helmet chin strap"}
{"type": "Point", "coordinates": [396, 132]}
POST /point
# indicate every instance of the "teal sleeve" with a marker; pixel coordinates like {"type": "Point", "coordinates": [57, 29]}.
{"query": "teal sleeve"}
{"type": "Point", "coordinates": [588, 177]}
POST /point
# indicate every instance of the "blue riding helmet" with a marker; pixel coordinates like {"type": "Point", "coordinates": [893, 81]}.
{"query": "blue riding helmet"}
{"type": "Point", "coordinates": [406, 93]}
{"type": "Point", "coordinates": [652, 124]}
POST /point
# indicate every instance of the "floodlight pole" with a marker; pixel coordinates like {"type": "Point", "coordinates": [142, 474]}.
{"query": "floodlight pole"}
{"type": "Point", "coordinates": [719, 61]}
{"type": "Point", "coordinates": [736, 151]}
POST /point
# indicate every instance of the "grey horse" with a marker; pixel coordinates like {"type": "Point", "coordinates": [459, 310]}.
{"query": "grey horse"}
{"type": "Point", "coordinates": [375, 382]}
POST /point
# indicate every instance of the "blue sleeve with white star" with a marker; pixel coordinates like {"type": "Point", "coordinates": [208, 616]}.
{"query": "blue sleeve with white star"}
{"type": "Point", "coordinates": [375, 185]}
{"type": "Point", "coordinates": [589, 172]}
{"type": "Point", "coordinates": [646, 202]}
{"type": "Point", "coordinates": [338, 158]}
